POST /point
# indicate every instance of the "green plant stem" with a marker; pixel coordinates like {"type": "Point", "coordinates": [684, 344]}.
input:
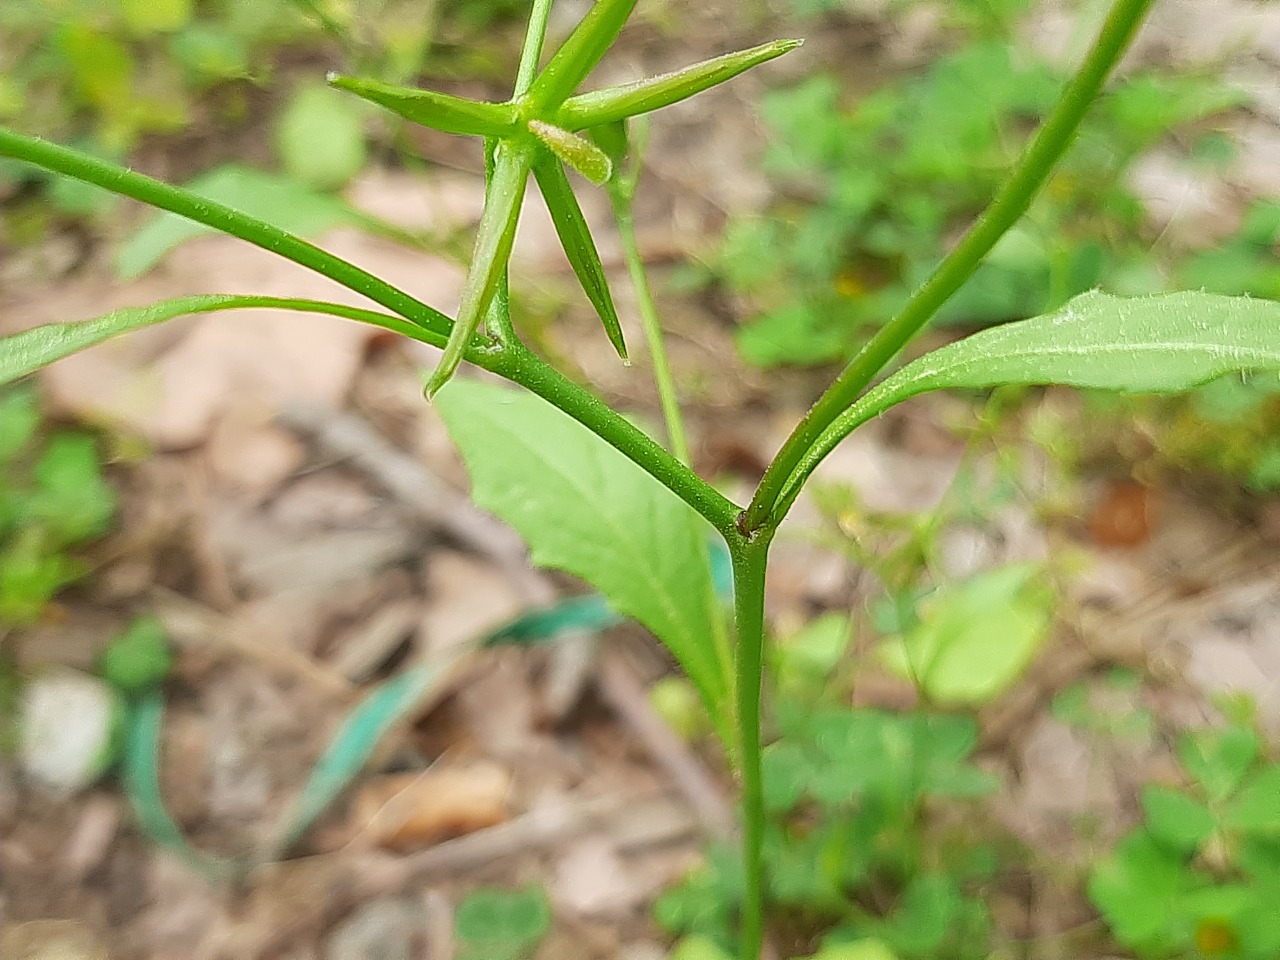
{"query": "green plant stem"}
{"type": "Point", "coordinates": [653, 334]}
{"type": "Point", "coordinates": [519, 365]}
{"type": "Point", "coordinates": [531, 53]}
{"type": "Point", "coordinates": [80, 166]}
{"type": "Point", "coordinates": [750, 560]}
{"type": "Point", "coordinates": [1010, 203]}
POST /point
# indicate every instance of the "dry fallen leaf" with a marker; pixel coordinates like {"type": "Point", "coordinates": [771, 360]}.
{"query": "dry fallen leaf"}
{"type": "Point", "coordinates": [409, 811]}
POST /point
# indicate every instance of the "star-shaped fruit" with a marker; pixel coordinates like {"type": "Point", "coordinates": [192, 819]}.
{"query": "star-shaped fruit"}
{"type": "Point", "coordinates": [538, 131]}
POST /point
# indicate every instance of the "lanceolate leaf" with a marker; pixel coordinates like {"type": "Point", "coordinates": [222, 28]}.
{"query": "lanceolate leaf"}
{"type": "Point", "coordinates": [140, 773]}
{"type": "Point", "coordinates": [354, 742]}
{"type": "Point", "coordinates": [579, 246]}
{"type": "Point", "coordinates": [26, 352]}
{"type": "Point", "coordinates": [585, 508]}
{"type": "Point", "coordinates": [492, 251]}
{"type": "Point", "coordinates": [580, 53]}
{"type": "Point", "coordinates": [1158, 344]}
{"type": "Point", "coordinates": [431, 109]}
{"type": "Point", "coordinates": [642, 96]}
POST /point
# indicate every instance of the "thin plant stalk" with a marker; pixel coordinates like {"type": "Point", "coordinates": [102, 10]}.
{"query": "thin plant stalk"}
{"type": "Point", "coordinates": [109, 176]}
{"type": "Point", "coordinates": [1008, 206]}
{"type": "Point", "coordinates": [671, 414]}
{"type": "Point", "coordinates": [531, 53]}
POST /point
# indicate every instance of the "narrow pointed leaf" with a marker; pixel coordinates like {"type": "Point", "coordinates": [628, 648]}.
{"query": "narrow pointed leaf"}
{"type": "Point", "coordinates": [580, 53]}
{"type": "Point", "coordinates": [140, 777]}
{"type": "Point", "coordinates": [118, 179]}
{"type": "Point", "coordinates": [642, 96]}
{"type": "Point", "coordinates": [1158, 344]}
{"type": "Point", "coordinates": [440, 111]}
{"type": "Point", "coordinates": [492, 251]}
{"type": "Point", "coordinates": [364, 728]}
{"type": "Point", "coordinates": [579, 246]}
{"type": "Point", "coordinates": [585, 508]}
{"type": "Point", "coordinates": [26, 352]}
{"type": "Point", "coordinates": [583, 155]}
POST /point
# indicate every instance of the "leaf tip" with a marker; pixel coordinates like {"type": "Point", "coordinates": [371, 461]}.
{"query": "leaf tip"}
{"type": "Point", "coordinates": [619, 344]}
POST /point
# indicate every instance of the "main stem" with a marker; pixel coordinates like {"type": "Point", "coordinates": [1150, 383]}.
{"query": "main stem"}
{"type": "Point", "coordinates": [1010, 203]}
{"type": "Point", "coordinates": [750, 559]}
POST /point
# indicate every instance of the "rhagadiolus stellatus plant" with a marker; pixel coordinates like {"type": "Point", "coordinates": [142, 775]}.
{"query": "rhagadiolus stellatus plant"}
{"type": "Point", "coordinates": [1152, 344]}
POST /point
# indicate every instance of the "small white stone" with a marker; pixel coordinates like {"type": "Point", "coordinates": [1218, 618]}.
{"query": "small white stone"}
{"type": "Point", "coordinates": [68, 726]}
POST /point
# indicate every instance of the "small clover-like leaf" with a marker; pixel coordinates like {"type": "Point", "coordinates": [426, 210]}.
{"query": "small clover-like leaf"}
{"type": "Point", "coordinates": [579, 247]}
{"type": "Point", "coordinates": [440, 111]}
{"type": "Point", "coordinates": [643, 96]}
{"type": "Point", "coordinates": [580, 52]}
{"type": "Point", "coordinates": [1175, 819]}
{"type": "Point", "coordinates": [583, 155]}
{"type": "Point", "coordinates": [1219, 759]}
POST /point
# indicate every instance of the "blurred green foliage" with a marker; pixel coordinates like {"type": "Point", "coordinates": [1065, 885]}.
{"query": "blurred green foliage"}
{"type": "Point", "coordinates": [873, 186]}
{"type": "Point", "coordinates": [872, 192]}
{"type": "Point", "coordinates": [1201, 876]}
{"type": "Point", "coordinates": [53, 498]}
{"type": "Point", "coordinates": [104, 75]}
{"type": "Point", "coordinates": [851, 852]}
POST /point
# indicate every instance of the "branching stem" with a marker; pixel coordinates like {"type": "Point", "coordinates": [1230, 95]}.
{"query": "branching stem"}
{"type": "Point", "coordinates": [1010, 203]}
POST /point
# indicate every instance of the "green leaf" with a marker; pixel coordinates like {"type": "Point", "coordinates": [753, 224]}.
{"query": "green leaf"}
{"type": "Point", "coordinates": [579, 246]}
{"type": "Point", "coordinates": [929, 908]}
{"type": "Point", "coordinates": [580, 52]}
{"type": "Point", "coordinates": [19, 417]}
{"type": "Point", "coordinates": [321, 138]}
{"type": "Point", "coordinates": [585, 508]}
{"type": "Point", "coordinates": [156, 16]}
{"type": "Point", "coordinates": [138, 659]}
{"type": "Point", "coordinates": [1176, 819]}
{"type": "Point", "coordinates": [1256, 808]}
{"type": "Point", "coordinates": [975, 638]}
{"type": "Point", "coordinates": [643, 96]}
{"type": "Point", "coordinates": [211, 51]}
{"type": "Point", "coordinates": [280, 201]}
{"type": "Point", "coordinates": [31, 572]}
{"type": "Point", "coordinates": [493, 924]}
{"type": "Point", "coordinates": [787, 771]}
{"type": "Point", "coordinates": [1139, 891]}
{"type": "Point", "coordinates": [101, 66]}
{"type": "Point", "coordinates": [140, 776]}
{"type": "Point", "coordinates": [861, 950]}
{"type": "Point", "coordinates": [579, 153]}
{"type": "Point", "coordinates": [1218, 759]}
{"type": "Point", "coordinates": [814, 651]}
{"type": "Point", "coordinates": [792, 334]}
{"type": "Point", "coordinates": [72, 500]}
{"type": "Point", "coordinates": [698, 948]}
{"type": "Point", "coordinates": [354, 742]}
{"type": "Point", "coordinates": [1153, 344]}
{"type": "Point", "coordinates": [26, 352]}
{"type": "Point", "coordinates": [440, 111]}
{"type": "Point", "coordinates": [613, 138]}
{"type": "Point", "coordinates": [511, 164]}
